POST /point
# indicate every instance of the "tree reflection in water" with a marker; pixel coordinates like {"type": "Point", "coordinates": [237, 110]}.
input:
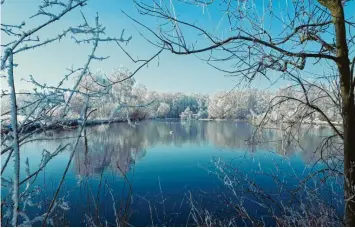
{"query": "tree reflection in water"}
{"type": "Point", "coordinates": [118, 146]}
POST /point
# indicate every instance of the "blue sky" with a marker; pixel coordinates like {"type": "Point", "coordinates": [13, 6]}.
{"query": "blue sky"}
{"type": "Point", "coordinates": [175, 73]}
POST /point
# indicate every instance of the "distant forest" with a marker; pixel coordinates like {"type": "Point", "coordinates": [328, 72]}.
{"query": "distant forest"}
{"type": "Point", "coordinates": [128, 100]}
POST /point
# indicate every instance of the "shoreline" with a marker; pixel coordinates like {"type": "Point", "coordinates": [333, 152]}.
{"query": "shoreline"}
{"type": "Point", "coordinates": [74, 123]}
{"type": "Point", "coordinates": [60, 125]}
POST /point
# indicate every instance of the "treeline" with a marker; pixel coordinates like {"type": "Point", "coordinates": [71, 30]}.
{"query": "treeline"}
{"type": "Point", "coordinates": [118, 96]}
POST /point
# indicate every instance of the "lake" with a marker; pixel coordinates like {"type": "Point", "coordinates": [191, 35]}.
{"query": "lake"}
{"type": "Point", "coordinates": [175, 173]}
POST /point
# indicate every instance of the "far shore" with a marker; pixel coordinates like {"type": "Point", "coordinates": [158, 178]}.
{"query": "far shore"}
{"type": "Point", "coordinates": [74, 123]}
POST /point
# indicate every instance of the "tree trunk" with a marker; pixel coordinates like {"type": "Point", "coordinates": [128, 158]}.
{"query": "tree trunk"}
{"type": "Point", "coordinates": [16, 147]}
{"type": "Point", "coordinates": [348, 107]}
{"type": "Point", "coordinates": [349, 159]}
{"type": "Point", "coordinates": [348, 110]}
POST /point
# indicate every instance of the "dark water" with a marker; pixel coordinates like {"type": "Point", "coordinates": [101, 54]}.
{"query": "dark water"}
{"type": "Point", "coordinates": [161, 167]}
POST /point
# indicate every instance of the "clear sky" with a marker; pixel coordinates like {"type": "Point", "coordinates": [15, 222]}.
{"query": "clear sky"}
{"type": "Point", "coordinates": [174, 73]}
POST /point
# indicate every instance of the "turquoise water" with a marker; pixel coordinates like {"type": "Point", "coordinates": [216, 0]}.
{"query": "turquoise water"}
{"type": "Point", "coordinates": [158, 166]}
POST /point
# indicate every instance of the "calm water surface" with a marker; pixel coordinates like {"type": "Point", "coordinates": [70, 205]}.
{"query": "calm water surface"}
{"type": "Point", "coordinates": [164, 161]}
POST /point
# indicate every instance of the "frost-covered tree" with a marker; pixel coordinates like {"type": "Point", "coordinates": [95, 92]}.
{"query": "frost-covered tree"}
{"type": "Point", "coordinates": [163, 109]}
{"type": "Point", "coordinates": [122, 84]}
{"type": "Point", "coordinates": [222, 105]}
{"type": "Point", "coordinates": [49, 106]}
{"type": "Point", "coordinates": [282, 41]}
{"type": "Point", "coordinates": [139, 95]}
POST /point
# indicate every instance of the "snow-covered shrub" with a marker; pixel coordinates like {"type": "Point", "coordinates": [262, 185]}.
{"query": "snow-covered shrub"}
{"type": "Point", "coordinates": [202, 114]}
{"type": "Point", "coordinates": [187, 114]}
